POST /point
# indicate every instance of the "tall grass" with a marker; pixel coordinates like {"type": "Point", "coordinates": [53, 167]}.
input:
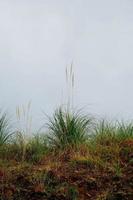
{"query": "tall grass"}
{"type": "Point", "coordinates": [23, 132]}
{"type": "Point", "coordinates": [70, 81]}
{"type": "Point", "coordinates": [68, 128]}
{"type": "Point", "coordinates": [104, 132]}
{"type": "Point", "coordinates": [5, 129]}
{"type": "Point", "coordinates": [37, 148]}
{"type": "Point", "coordinates": [124, 131]}
{"type": "Point", "coordinates": [108, 133]}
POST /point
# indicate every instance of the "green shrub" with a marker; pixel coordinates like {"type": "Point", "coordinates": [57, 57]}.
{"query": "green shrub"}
{"type": "Point", "coordinates": [68, 128]}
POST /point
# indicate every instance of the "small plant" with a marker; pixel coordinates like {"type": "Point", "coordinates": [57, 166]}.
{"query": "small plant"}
{"type": "Point", "coordinates": [68, 128]}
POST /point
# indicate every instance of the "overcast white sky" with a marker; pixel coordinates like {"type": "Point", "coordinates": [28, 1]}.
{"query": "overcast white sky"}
{"type": "Point", "coordinates": [38, 38]}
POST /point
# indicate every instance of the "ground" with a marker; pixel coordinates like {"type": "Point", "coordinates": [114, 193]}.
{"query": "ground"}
{"type": "Point", "coordinates": [85, 175]}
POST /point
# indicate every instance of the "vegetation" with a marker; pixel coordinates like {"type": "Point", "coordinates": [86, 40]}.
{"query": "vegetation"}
{"type": "Point", "coordinates": [68, 129]}
{"type": "Point", "coordinates": [5, 130]}
{"type": "Point", "coordinates": [78, 158]}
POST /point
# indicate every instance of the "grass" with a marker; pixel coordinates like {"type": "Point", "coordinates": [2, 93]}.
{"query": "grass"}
{"type": "Point", "coordinates": [23, 130]}
{"type": "Point", "coordinates": [37, 148]}
{"type": "Point", "coordinates": [5, 129]}
{"type": "Point", "coordinates": [108, 133]}
{"type": "Point", "coordinates": [124, 131]}
{"type": "Point", "coordinates": [68, 128]}
{"type": "Point", "coordinates": [79, 158]}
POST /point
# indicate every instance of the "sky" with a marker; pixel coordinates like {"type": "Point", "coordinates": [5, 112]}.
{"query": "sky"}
{"type": "Point", "coordinates": [39, 38]}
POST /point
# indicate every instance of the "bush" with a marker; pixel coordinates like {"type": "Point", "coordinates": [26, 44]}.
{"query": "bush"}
{"type": "Point", "coordinates": [68, 128]}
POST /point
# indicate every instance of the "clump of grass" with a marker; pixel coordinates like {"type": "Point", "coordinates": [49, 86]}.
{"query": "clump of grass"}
{"type": "Point", "coordinates": [23, 131]}
{"type": "Point", "coordinates": [68, 128]}
{"type": "Point", "coordinates": [111, 141]}
{"type": "Point", "coordinates": [37, 148]}
{"type": "Point", "coordinates": [106, 133]}
{"type": "Point", "coordinates": [124, 131]}
{"type": "Point", "coordinates": [5, 129]}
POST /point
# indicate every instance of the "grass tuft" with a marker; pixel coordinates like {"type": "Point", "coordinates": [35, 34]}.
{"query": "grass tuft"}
{"type": "Point", "coordinates": [68, 129]}
{"type": "Point", "coordinates": [5, 129]}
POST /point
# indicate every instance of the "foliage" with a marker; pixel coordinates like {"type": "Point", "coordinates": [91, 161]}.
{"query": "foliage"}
{"type": "Point", "coordinates": [68, 128]}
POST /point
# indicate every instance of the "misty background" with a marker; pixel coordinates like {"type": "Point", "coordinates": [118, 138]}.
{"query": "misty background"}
{"type": "Point", "coordinates": [39, 38]}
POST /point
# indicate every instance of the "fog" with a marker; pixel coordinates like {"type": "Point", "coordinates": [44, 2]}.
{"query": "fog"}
{"type": "Point", "coordinates": [39, 38]}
